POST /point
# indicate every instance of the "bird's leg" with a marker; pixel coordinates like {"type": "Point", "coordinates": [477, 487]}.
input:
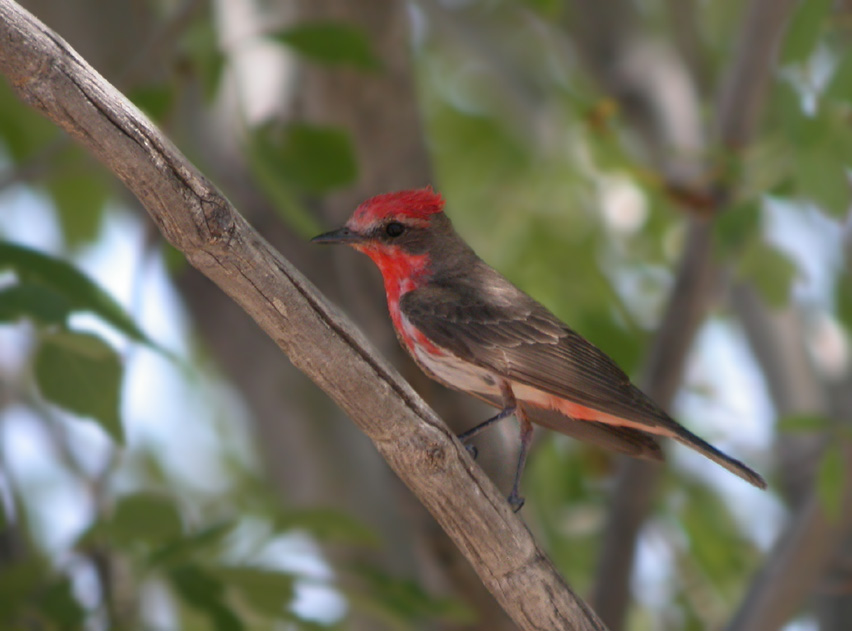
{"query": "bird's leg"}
{"type": "Point", "coordinates": [505, 412]}
{"type": "Point", "coordinates": [509, 407]}
{"type": "Point", "coordinates": [515, 500]}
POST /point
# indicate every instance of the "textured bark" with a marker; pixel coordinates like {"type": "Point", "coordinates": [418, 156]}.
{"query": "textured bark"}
{"type": "Point", "coordinates": [194, 216]}
{"type": "Point", "coordinates": [312, 453]}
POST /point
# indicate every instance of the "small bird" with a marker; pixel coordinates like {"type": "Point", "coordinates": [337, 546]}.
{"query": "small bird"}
{"type": "Point", "coordinates": [471, 329]}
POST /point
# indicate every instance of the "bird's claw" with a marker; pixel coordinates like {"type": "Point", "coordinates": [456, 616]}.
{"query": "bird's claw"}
{"type": "Point", "coordinates": [516, 501]}
{"type": "Point", "coordinates": [472, 450]}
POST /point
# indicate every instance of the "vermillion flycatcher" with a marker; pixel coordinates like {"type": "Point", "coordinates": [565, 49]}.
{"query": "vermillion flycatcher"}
{"type": "Point", "coordinates": [471, 329]}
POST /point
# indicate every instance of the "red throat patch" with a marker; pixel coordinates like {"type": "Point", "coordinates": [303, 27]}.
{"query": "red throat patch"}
{"type": "Point", "coordinates": [419, 203]}
{"type": "Point", "coordinates": [401, 273]}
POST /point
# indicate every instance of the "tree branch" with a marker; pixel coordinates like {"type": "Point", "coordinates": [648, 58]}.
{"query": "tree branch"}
{"type": "Point", "coordinates": [695, 285]}
{"type": "Point", "coordinates": [797, 561]}
{"type": "Point", "coordinates": [196, 218]}
{"type": "Point", "coordinates": [739, 103]}
{"type": "Point", "coordinates": [811, 543]}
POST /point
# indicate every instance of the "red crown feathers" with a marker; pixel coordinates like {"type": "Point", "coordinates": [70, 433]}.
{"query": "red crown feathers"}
{"type": "Point", "coordinates": [418, 204]}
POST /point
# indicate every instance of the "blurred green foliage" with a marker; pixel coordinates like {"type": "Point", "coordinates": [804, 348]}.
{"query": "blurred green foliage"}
{"type": "Point", "coordinates": [330, 43]}
{"type": "Point", "coordinates": [528, 153]}
{"type": "Point", "coordinates": [57, 289]}
{"type": "Point", "coordinates": [81, 373]}
{"type": "Point", "coordinates": [290, 161]}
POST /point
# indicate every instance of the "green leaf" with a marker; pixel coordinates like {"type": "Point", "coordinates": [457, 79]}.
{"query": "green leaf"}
{"type": "Point", "coordinates": [403, 602]}
{"type": "Point", "coordinates": [624, 345]}
{"type": "Point", "coordinates": [57, 602]}
{"type": "Point", "coordinates": [186, 548]}
{"type": "Point", "coordinates": [29, 300]}
{"type": "Point", "coordinates": [266, 590]}
{"type": "Point", "coordinates": [787, 116]}
{"type": "Point", "coordinates": [333, 43]}
{"type": "Point", "coordinates": [326, 525]}
{"type": "Point", "coordinates": [314, 159]}
{"type": "Point", "coordinates": [820, 149]}
{"type": "Point", "coordinates": [156, 100]}
{"type": "Point", "coordinates": [146, 517]}
{"type": "Point", "coordinates": [173, 259]}
{"type": "Point", "coordinates": [32, 596]}
{"type": "Point", "coordinates": [24, 133]}
{"type": "Point", "coordinates": [771, 271]}
{"type": "Point", "coordinates": [204, 592]}
{"type": "Point", "coordinates": [280, 191]}
{"type": "Point", "coordinates": [300, 159]}
{"type": "Point", "coordinates": [843, 295]}
{"type": "Point", "coordinates": [201, 45]}
{"type": "Point", "coordinates": [805, 29]}
{"type": "Point", "coordinates": [300, 624]}
{"type": "Point", "coordinates": [715, 543]}
{"type": "Point", "coordinates": [82, 374]}
{"type": "Point", "coordinates": [840, 86]}
{"type": "Point", "coordinates": [548, 9]}
{"type": "Point", "coordinates": [808, 131]}
{"type": "Point", "coordinates": [830, 481]}
{"type": "Point", "coordinates": [736, 227]}
{"type": "Point", "coordinates": [765, 167]}
{"type": "Point", "coordinates": [82, 294]}
{"type": "Point", "coordinates": [822, 177]}
{"type": "Point", "coordinates": [80, 194]}
{"type": "Point", "coordinates": [18, 583]}
{"type": "Point", "coordinates": [804, 423]}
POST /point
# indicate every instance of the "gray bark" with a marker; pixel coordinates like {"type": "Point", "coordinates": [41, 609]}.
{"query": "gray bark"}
{"type": "Point", "coordinates": [194, 216]}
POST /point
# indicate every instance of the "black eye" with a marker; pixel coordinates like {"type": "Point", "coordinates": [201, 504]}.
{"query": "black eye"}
{"type": "Point", "coordinates": [394, 229]}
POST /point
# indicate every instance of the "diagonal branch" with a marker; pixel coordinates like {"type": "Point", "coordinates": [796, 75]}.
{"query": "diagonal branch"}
{"type": "Point", "coordinates": [196, 218]}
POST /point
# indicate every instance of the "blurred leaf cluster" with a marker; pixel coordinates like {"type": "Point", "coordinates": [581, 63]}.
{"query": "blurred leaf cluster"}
{"type": "Point", "coordinates": [151, 534]}
{"type": "Point", "coordinates": [544, 175]}
{"type": "Point", "coordinates": [153, 546]}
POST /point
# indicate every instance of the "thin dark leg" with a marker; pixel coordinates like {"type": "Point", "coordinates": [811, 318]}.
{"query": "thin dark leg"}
{"type": "Point", "coordinates": [505, 412]}
{"type": "Point", "coordinates": [509, 407]}
{"type": "Point", "coordinates": [515, 500]}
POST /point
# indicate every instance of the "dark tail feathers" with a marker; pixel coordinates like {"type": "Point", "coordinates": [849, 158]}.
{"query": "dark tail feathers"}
{"type": "Point", "coordinates": [731, 464]}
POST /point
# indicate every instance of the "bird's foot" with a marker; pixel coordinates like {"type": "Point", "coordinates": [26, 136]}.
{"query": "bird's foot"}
{"type": "Point", "coordinates": [515, 501]}
{"type": "Point", "coordinates": [472, 450]}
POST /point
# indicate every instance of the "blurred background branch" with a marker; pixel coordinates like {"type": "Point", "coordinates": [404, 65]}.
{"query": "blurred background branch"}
{"type": "Point", "coordinates": [741, 95]}
{"type": "Point", "coordinates": [198, 221]}
{"type": "Point", "coordinates": [669, 176]}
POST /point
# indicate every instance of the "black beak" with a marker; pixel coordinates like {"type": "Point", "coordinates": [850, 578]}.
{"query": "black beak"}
{"type": "Point", "coordinates": [341, 235]}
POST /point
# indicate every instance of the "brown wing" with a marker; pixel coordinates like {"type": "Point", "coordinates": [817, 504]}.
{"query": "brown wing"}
{"type": "Point", "coordinates": [504, 330]}
{"type": "Point", "coordinates": [497, 326]}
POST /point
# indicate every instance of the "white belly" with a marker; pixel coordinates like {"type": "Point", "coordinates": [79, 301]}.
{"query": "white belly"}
{"type": "Point", "coordinates": [461, 375]}
{"type": "Point", "coordinates": [467, 377]}
{"type": "Point", "coordinates": [458, 374]}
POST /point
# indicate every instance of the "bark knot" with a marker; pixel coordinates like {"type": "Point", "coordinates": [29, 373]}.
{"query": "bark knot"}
{"type": "Point", "coordinates": [218, 219]}
{"type": "Point", "coordinates": [432, 454]}
{"type": "Point", "coordinates": [35, 71]}
{"type": "Point", "coordinates": [435, 457]}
